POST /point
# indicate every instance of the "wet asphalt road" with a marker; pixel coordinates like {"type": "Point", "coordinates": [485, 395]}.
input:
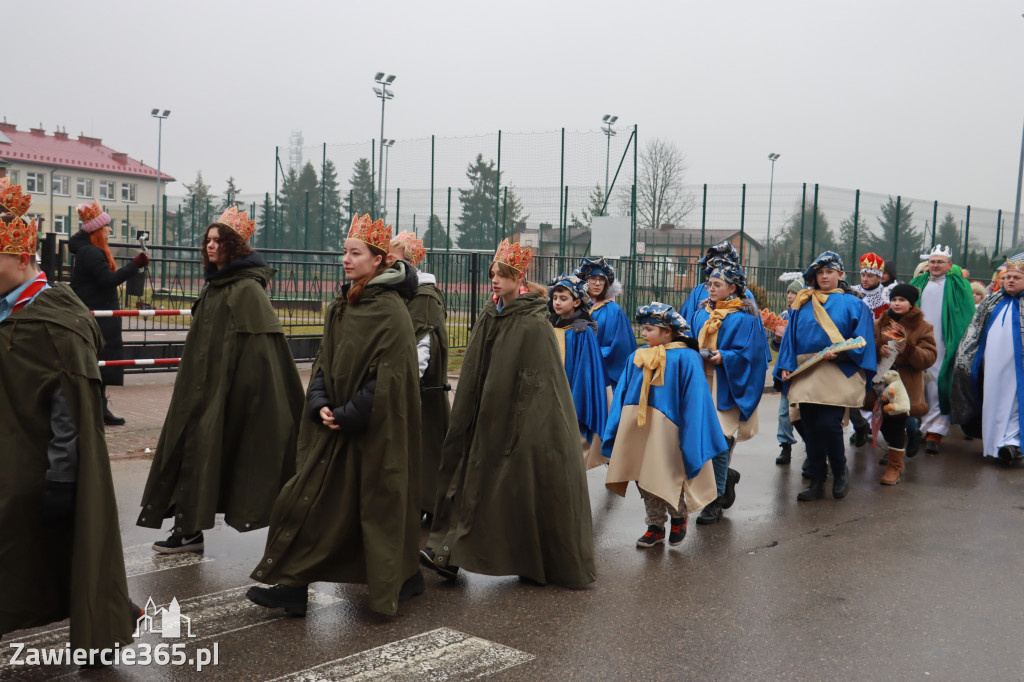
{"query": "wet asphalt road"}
{"type": "Point", "coordinates": [917, 581]}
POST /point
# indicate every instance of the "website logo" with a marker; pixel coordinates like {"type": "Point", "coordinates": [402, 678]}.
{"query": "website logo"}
{"type": "Point", "coordinates": [170, 620]}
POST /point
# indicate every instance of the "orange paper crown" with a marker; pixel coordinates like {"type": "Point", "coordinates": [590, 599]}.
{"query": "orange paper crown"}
{"type": "Point", "coordinates": [16, 237]}
{"type": "Point", "coordinates": [372, 232]}
{"type": "Point", "coordinates": [412, 245]}
{"type": "Point", "coordinates": [872, 264]}
{"type": "Point", "coordinates": [513, 255]}
{"type": "Point", "coordinates": [1016, 262]}
{"type": "Point", "coordinates": [238, 221]}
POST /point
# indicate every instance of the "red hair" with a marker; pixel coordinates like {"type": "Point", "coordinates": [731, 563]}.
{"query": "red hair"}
{"type": "Point", "coordinates": [99, 240]}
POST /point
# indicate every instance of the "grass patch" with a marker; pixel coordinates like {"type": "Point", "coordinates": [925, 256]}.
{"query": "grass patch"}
{"type": "Point", "coordinates": [456, 356]}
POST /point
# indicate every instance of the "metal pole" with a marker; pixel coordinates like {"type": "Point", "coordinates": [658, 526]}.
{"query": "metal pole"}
{"type": "Point", "coordinates": [1016, 210]}
{"type": "Point", "coordinates": [504, 215]}
{"type": "Point", "coordinates": [768, 238]}
{"type": "Point", "coordinates": [323, 199]}
{"type": "Point", "coordinates": [497, 192]}
{"type": "Point", "coordinates": [743, 216]}
{"type": "Point", "coordinates": [374, 211]}
{"type": "Point", "coordinates": [814, 222]}
{"type": "Point", "coordinates": [398, 207]}
{"type": "Point", "coordinates": [703, 218]}
{"type": "Point", "coordinates": [277, 162]}
{"type": "Point", "coordinates": [607, 162]}
{"type": "Point", "coordinates": [380, 172]}
{"type": "Point", "coordinates": [448, 227]}
{"type": "Point", "coordinates": [159, 150]}
{"type": "Point", "coordinates": [967, 236]}
{"type": "Point", "coordinates": [561, 183]}
{"type": "Point", "coordinates": [935, 217]}
{"type": "Point", "coordinates": [856, 225]}
{"type": "Point", "coordinates": [803, 212]}
{"type": "Point", "coordinates": [896, 232]}
{"type": "Point", "coordinates": [430, 221]}
{"type": "Point", "coordinates": [999, 227]}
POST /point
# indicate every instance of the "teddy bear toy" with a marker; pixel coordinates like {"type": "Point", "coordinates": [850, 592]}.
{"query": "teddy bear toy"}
{"type": "Point", "coordinates": [895, 399]}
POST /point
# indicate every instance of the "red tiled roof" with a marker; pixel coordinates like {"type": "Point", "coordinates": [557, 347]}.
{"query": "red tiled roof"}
{"type": "Point", "coordinates": [85, 153]}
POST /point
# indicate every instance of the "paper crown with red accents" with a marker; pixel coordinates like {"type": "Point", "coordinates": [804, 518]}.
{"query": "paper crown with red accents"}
{"type": "Point", "coordinates": [412, 245]}
{"type": "Point", "coordinates": [237, 221]}
{"type": "Point", "coordinates": [872, 264]}
{"type": "Point", "coordinates": [513, 255]}
{"type": "Point", "coordinates": [372, 232]}
{"type": "Point", "coordinates": [16, 237]}
{"type": "Point", "coordinates": [92, 216]}
{"type": "Point", "coordinates": [1016, 262]}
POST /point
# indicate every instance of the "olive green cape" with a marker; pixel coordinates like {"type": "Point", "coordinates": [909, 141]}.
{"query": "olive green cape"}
{"type": "Point", "coordinates": [228, 442]}
{"type": "Point", "coordinates": [351, 513]}
{"type": "Point", "coordinates": [430, 316]}
{"type": "Point", "coordinates": [513, 496]}
{"type": "Point", "coordinates": [49, 574]}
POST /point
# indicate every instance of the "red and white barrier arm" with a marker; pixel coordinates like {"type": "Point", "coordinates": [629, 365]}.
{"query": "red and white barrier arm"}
{"type": "Point", "coordinates": [140, 363]}
{"type": "Point", "coordinates": [141, 313]}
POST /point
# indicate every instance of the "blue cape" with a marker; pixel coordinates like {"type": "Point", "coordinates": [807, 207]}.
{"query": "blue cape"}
{"type": "Point", "coordinates": [585, 370]}
{"type": "Point", "coordinates": [743, 369]}
{"type": "Point", "coordinates": [615, 336]}
{"type": "Point", "coordinates": [979, 359]}
{"type": "Point", "coordinates": [684, 399]}
{"type": "Point", "coordinates": [699, 295]}
{"type": "Point", "coordinates": [804, 335]}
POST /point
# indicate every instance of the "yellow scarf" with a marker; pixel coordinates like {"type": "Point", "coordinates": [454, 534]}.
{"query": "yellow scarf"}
{"type": "Point", "coordinates": [653, 360]}
{"type": "Point", "coordinates": [708, 337]}
{"type": "Point", "coordinates": [817, 297]}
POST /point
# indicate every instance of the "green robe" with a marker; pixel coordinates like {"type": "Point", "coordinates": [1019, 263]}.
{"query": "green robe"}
{"type": "Point", "coordinates": [76, 570]}
{"type": "Point", "coordinates": [351, 513]}
{"type": "Point", "coordinates": [429, 316]}
{"type": "Point", "coordinates": [512, 495]}
{"type": "Point", "coordinates": [957, 312]}
{"type": "Point", "coordinates": [228, 442]}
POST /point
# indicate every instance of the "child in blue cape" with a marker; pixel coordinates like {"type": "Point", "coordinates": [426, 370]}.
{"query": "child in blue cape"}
{"type": "Point", "coordinates": [662, 431]}
{"type": "Point", "coordinates": [576, 334]}
{"type": "Point", "coordinates": [614, 332]}
{"type": "Point", "coordinates": [732, 342]}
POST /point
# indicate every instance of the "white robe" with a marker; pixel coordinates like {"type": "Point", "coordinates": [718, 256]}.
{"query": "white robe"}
{"type": "Point", "coordinates": [1000, 417]}
{"type": "Point", "coordinates": [931, 305]}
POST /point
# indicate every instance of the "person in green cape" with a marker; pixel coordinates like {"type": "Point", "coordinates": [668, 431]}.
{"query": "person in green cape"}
{"type": "Point", "coordinates": [351, 514]}
{"type": "Point", "coordinates": [512, 492]}
{"type": "Point", "coordinates": [228, 443]}
{"type": "Point", "coordinates": [430, 323]}
{"type": "Point", "coordinates": [60, 542]}
{"type": "Point", "coordinates": [948, 305]}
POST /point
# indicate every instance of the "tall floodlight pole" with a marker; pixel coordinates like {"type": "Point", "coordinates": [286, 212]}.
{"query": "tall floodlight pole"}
{"type": "Point", "coordinates": [156, 113]}
{"type": "Point", "coordinates": [608, 120]}
{"type": "Point", "coordinates": [384, 94]}
{"type": "Point", "coordinates": [388, 144]}
{"type": "Point", "coordinates": [773, 157]}
{"type": "Point", "coordinates": [1020, 176]}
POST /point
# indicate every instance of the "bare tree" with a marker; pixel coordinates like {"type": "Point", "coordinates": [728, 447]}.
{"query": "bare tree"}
{"type": "Point", "coordinates": [660, 197]}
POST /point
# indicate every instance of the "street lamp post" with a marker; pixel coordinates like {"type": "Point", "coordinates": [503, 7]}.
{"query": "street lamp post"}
{"type": "Point", "coordinates": [609, 132]}
{"type": "Point", "coordinates": [156, 113]}
{"type": "Point", "coordinates": [773, 157]}
{"type": "Point", "coordinates": [388, 144]}
{"type": "Point", "coordinates": [384, 94]}
{"type": "Point", "coordinates": [1020, 176]}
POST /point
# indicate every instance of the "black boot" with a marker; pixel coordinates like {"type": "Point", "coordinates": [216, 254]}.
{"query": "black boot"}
{"type": "Point", "coordinates": [815, 491]}
{"type": "Point", "coordinates": [413, 587]}
{"type": "Point", "coordinates": [786, 454]}
{"type": "Point", "coordinates": [292, 599]}
{"type": "Point", "coordinates": [711, 513]}
{"type": "Point", "coordinates": [109, 418]}
{"type": "Point", "coordinates": [841, 484]}
{"type": "Point", "coordinates": [913, 442]}
{"type": "Point", "coordinates": [731, 479]}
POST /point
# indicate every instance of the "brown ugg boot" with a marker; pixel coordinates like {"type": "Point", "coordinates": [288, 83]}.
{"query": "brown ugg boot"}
{"type": "Point", "coordinates": [892, 472]}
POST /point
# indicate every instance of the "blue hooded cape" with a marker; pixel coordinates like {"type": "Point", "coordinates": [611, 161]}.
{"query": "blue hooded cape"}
{"type": "Point", "coordinates": [684, 399]}
{"type": "Point", "coordinates": [743, 369]}
{"type": "Point", "coordinates": [700, 294]}
{"type": "Point", "coordinates": [804, 335]}
{"type": "Point", "coordinates": [616, 339]}
{"type": "Point", "coordinates": [585, 370]}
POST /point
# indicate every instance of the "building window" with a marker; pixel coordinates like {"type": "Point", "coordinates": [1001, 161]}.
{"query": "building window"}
{"type": "Point", "coordinates": [61, 185]}
{"type": "Point", "coordinates": [38, 217]}
{"type": "Point", "coordinates": [107, 190]}
{"type": "Point", "coordinates": [128, 192]}
{"type": "Point", "coordinates": [84, 188]}
{"type": "Point", "coordinates": [125, 227]}
{"type": "Point", "coordinates": [13, 176]}
{"type": "Point", "coordinates": [60, 224]}
{"type": "Point", "coordinates": [34, 183]}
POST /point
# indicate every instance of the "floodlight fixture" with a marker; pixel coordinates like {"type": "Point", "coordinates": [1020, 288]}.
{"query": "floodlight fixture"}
{"type": "Point", "coordinates": [167, 112]}
{"type": "Point", "coordinates": [603, 118]}
{"type": "Point", "coordinates": [380, 74]}
{"type": "Point", "coordinates": [157, 111]}
{"type": "Point", "coordinates": [390, 79]}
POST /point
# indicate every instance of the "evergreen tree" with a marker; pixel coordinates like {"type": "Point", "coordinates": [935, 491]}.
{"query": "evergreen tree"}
{"type": "Point", "coordinates": [847, 229]}
{"type": "Point", "coordinates": [436, 237]}
{"type": "Point", "coordinates": [898, 232]}
{"type": "Point", "coordinates": [359, 201]}
{"type": "Point", "coordinates": [594, 209]}
{"type": "Point", "coordinates": [333, 227]}
{"type": "Point", "coordinates": [197, 209]}
{"type": "Point", "coordinates": [476, 225]}
{"type": "Point", "coordinates": [948, 233]}
{"type": "Point", "coordinates": [230, 197]}
{"type": "Point", "coordinates": [817, 237]}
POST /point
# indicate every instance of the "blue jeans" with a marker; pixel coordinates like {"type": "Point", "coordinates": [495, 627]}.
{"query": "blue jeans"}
{"type": "Point", "coordinates": [720, 463]}
{"type": "Point", "coordinates": [785, 434]}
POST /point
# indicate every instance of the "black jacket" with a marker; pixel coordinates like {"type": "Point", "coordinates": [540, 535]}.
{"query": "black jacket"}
{"type": "Point", "coordinates": [96, 284]}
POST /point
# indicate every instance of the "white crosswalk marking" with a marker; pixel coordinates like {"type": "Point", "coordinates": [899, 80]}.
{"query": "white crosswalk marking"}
{"type": "Point", "coordinates": [212, 616]}
{"type": "Point", "coordinates": [441, 655]}
{"type": "Point", "coordinates": [141, 559]}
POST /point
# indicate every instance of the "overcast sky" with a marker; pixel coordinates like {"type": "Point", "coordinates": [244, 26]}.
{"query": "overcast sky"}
{"type": "Point", "coordinates": [919, 98]}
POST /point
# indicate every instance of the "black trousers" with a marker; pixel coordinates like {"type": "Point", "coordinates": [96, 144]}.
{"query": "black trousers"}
{"type": "Point", "coordinates": [894, 430]}
{"type": "Point", "coordinates": [821, 427]}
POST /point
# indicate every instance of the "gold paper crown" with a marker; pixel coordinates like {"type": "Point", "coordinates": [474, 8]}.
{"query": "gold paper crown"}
{"type": "Point", "coordinates": [413, 245]}
{"type": "Point", "coordinates": [1016, 262]}
{"type": "Point", "coordinates": [238, 221]}
{"type": "Point", "coordinates": [513, 255]}
{"type": "Point", "coordinates": [87, 212]}
{"type": "Point", "coordinates": [872, 263]}
{"type": "Point", "coordinates": [16, 237]}
{"type": "Point", "coordinates": [372, 232]}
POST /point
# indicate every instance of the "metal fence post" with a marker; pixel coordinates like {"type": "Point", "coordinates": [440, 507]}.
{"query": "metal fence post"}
{"type": "Point", "coordinates": [743, 215]}
{"type": "Point", "coordinates": [967, 236]}
{"type": "Point", "coordinates": [323, 198]}
{"type": "Point", "coordinates": [504, 215]}
{"type": "Point", "coordinates": [561, 184]}
{"type": "Point", "coordinates": [398, 207]}
{"type": "Point", "coordinates": [277, 163]}
{"type": "Point", "coordinates": [856, 225]}
{"type": "Point", "coordinates": [999, 228]}
{"type": "Point", "coordinates": [803, 212]}
{"type": "Point", "coordinates": [373, 174]}
{"type": "Point", "coordinates": [448, 220]}
{"type": "Point", "coordinates": [497, 192]}
{"type": "Point", "coordinates": [814, 223]}
{"type": "Point", "coordinates": [703, 218]}
{"type": "Point", "coordinates": [896, 232]}
{"type": "Point", "coordinates": [935, 216]}
{"type": "Point", "coordinates": [430, 221]}
{"type": "Point", "coordinates": [474, 302]}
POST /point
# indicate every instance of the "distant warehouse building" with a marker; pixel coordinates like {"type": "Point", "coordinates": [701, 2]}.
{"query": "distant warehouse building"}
{"type": "Point", "coordinates": [60, 172]}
